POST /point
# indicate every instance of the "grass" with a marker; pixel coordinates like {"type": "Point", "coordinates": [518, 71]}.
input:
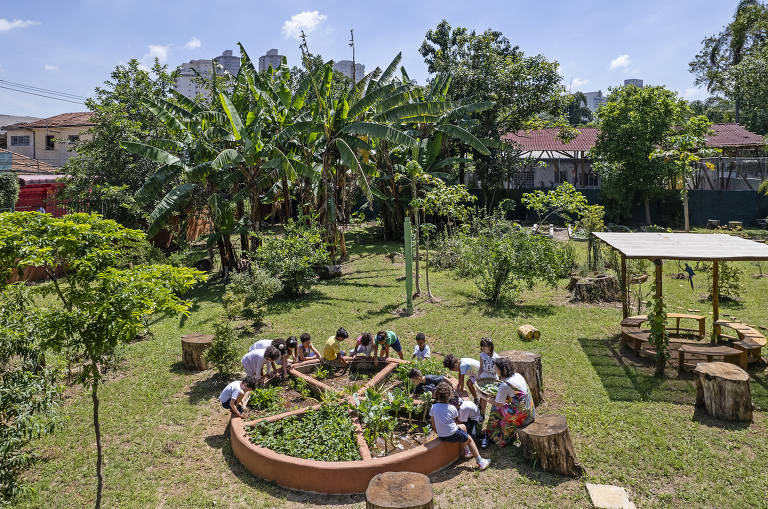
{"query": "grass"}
{"type": "Point", "coordinates": [165, 433]}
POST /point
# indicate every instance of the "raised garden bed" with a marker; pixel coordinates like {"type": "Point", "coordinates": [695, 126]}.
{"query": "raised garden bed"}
{"type": "Point", "coordinates": [279, 399]}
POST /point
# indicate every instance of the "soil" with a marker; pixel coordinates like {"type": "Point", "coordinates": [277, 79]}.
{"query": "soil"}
{"type": "Point", "coordinates": [292, 400]}
{"type": "Point", "coordinates": [348, 379]}
{"type": "Point", "coordinates": [403, 439]}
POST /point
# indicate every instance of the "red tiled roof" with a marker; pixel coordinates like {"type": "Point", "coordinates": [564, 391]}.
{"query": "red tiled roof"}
{"type": "Point", "coordinates": [726, 135]}
{"type": "Point", "coordinates": [733, 135]}
{"type": "Point", "coordinates": [81, 118]}
{"type": "Point", "coordinates": [546, 139]}
{"type": "Point", "coordinates": [23, 164]}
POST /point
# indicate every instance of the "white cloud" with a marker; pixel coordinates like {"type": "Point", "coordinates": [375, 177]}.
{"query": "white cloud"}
{"type": "Point", "coordinates": [578, 82]}
{"type": "Point", "coordinates": [193, 43]}
{"type": "Point", "coordinates": [695, 93]}
{"type": "Point", "coordinates": [620, 62]}
{"type": "Point", "coordinates": [49, 67]}
{"type": "Point", "coordinates": [6, 25]}
{"type": "Point", "coordinates": [157, 51]}
{"type": "Point", "coordinates": [305, 21]}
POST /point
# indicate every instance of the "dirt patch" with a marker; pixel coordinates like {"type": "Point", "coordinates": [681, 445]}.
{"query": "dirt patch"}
{"type": "Point", "coordinates": [290, 399]}
{"type": "Point", "coordinates": [351, 381]}
{"type": "Point", "coordinates": [403, 313]}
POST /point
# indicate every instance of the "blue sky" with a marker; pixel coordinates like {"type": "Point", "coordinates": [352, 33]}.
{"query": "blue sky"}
{"type": "Point", "coordinates": [72, 46]}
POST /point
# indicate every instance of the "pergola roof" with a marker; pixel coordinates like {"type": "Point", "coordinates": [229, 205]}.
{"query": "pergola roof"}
{"type": "Point", "coordinates": [684, 246]}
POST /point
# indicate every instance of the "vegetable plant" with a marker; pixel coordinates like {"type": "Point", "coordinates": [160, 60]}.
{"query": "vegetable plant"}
{"type": "Point", "coordinates": [266, 399]}
{"type": "Point", "coordinates": [321, 373]}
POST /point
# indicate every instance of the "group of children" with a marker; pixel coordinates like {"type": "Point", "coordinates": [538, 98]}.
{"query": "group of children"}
{"type": "Point", "coordinates": [453, 418]}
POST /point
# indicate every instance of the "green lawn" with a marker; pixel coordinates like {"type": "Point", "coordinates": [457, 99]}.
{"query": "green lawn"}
{"type": "Point", "coordinates": [164, 431]}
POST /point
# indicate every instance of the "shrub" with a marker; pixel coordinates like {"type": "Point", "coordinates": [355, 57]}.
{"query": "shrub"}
{"type": "Point", "coordinates": [248, 292]}
{"type": "Point", "coordinates": [568, 260]}
{"type": "Point", "coordinates": [503, 259]}
{"type": "Point", "coordinates": [223, 352]}
{"type": "Point", "coordinates": [9, 191]}
{"type": "Point", "coordinates": [730, 284]}
{"type": "Point", "coordinates": [267, 399]}
{"type": "Point", "coordinates": [294, 257]}
{"type": "Point", "coordinates": [446, 253]}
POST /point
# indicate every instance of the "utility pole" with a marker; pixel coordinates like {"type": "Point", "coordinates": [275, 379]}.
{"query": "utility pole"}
{"type": "Point", "coordinates": [352, 45]}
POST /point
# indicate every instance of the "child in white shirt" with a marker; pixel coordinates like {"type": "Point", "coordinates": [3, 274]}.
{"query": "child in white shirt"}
{"type": "Point", "coordinates": [233, 394]}
{"type": "Point", "coordinates": [421, 351]}
{"type": "Point", "coordinates": [444, 417]}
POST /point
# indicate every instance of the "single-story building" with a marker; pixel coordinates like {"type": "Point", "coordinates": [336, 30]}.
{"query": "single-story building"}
{"type": "Point", "coordinates": [49, 139]}
{"type": "Point", "coordinates": [742, 165]}
{"type": "Point", "coordinates": [38, 183]}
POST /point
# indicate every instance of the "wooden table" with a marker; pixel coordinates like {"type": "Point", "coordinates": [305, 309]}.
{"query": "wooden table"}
{"type": "Point", "coordinates": [701, 319]}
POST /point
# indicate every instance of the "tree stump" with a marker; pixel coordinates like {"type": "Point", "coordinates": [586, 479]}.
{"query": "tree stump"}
{"type": "Point", "coordinates": [528, 364]}
{"type": "Point", "coordinates": [192, 348]}
{"type": "Point", "coordinates": [329, 271]}
{"type": "Point", "coordinates": [602, 288]}
{"type": "Point", "coordinates": [722, 391]}
{"type": "Point", "coordinates": [713, 224]}
{"type": "Point", "coordinates": [528, 332]}
{"type": "Point", "coordinates": [548, 442]}
{"type": "Point", "coordinates": [399, 490]}
{"type": "Point", "coordinates": [735, 225]}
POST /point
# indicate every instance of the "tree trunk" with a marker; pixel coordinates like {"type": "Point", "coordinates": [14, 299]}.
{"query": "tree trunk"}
{"type": "Point", "coordinates": [222, 254]}
{"type": "Point", "coordinates": [548, 441]}
{"type": "Point", "coordinates": [685, 208]}
{"type": "Point", "coordinates": [243, 235]}
{"type": "Point", "coordinates": [402, 490]}
{"type": "Point", "coordinates": [528, 364]}
{"type": "Point", "coordinates": [647, 211]}
{"type": "Point", "coordinates": [286, 200]}
{"type": "Point", "coordinates": [722, 391]}
{"type": "Point", "coordinates": [97, 429]}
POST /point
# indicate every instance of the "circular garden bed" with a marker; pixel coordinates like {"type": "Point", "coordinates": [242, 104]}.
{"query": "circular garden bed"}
{"type": "Point", "coordinates": [338, 430]}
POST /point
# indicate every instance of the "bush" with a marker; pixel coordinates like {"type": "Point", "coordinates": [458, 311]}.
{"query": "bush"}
{"type": "Point", "coordinates": [294, 257]}
{"type": "Point", "coordinates": [447, 252]}
{"type": "Point", "coordinates": [503, 259]}
{"type": "Point", "coordinates": [9, 191]}
{"type": "Point", "coordinates": [223, 352]}
{"type": "Point", "coordinates": [730, 284]}
{"type": "Point", "coordinates": [248, 292]}
{"type": "Point", "coordinates": [568, 259]}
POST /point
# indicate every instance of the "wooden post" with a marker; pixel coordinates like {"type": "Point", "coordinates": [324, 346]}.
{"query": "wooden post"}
{"type": "Point", "coordinates": [715, 300]}
{"type": "Point", "coordinates": [408, 266]}
{"type": "Point", "coordinates": [624, 289]}
{"type": "Point", "coordinates": [402, 490]}
{"type": "Point", "coordinates": [659, 279]}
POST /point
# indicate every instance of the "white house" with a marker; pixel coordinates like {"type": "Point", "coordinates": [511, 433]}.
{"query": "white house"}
{"type": "Point", "coordinates": [49, 139]}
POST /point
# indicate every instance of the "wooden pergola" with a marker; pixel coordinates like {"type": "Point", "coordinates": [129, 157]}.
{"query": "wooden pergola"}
{"type": "Point", "coordinates": [682, 246]}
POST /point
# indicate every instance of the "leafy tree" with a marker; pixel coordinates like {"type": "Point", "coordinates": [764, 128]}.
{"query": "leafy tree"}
{"type": "Point", "coordinates": [564, 201]}
{"type": "Point", "coordinates": [746, 33]}
{"type": "Point", "coordinates": [28, 390]}
{"type": "Point", "coordinates": [223, 352]}
{"type": "Point", "coordinates": [750, 77]}
{"type": "Point", "coordinates": [104, 302]}
{"type": "Point", "coordinates": [717, 109]}
{"type": "Point", "coordinates": [486, 67]}
{"type": "Point", "coordinates": [682, 149]}
{"type": "Point", "coordinates": [9, 191]}
{"type": "Point", "coordinates": [104, 177]}
{"type": "Point", "coordinates": [578, 112]}
{"type": "Point", "coordinates": [633, 122]}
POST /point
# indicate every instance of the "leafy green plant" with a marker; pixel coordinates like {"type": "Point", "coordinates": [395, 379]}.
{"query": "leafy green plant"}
{"type": "Point", "coordinates": [730, 280]}
{"type": "Point", "coordinates": [293, 258]}
{"type": "Point", "coordinates": [266, 399]}
{"type": "Point", "coordinates": [374, 413]}
{"type": "Point", "coordinates": [325, 434]}
{"type": "Point", "coordinates": [659, 338]}
{"type": "Point", "coordinates": [301, 386]}
{"type": "Point", "coordinates": [321, 373]}
{"type": "Point", "coordinates": [223, 352]}
{"type": "Point", "coordinates": [248, 292]}
{"type": "Point", "coordinates": [564, 201]}
{"type": "Point", "coordinates": [9, 191]}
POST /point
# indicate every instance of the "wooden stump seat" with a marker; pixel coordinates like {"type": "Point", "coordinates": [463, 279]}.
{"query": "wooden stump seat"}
{"type": "Point", "coordinates": [401, 490]}
{"type": "Point", "coordinates": [731, 355]}
{"type": "Point", "coordinates": [748, 339]}
{"type": "Point", "coordinates": [193, 347]}
{"type": "Point", "coordinates": [548, 441]}
{"type": "Point", "coordinates": [528, 364]}
{"type": "Point", "coordinates": [722, 391]}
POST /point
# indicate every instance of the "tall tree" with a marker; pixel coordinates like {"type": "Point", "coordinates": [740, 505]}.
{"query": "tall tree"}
{"type": "Point", "coordinates": [747, 32]}
{"type": "Point", "coordinates": [578, 113]}
{"type": "Point", "coordinates": [632, 123]}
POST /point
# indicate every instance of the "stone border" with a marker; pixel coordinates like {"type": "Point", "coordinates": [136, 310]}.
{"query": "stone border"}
{"type": "Point", "coordinates": [335, 477]}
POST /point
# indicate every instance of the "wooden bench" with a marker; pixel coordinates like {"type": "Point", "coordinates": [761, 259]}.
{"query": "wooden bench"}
{"type": "Point", "coordinates": [732, 355]}
{"type": "Point", "coordinates": [702, 320]}
{"type": "Point", "coordinates": [632, 334]}
{"type": "Point", "coordinates": [748, 339]}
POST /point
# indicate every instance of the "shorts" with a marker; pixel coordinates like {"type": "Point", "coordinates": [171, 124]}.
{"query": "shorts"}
{"type": "Point", "coordinates": [226, 406]}
{"type": "Point", "coordinates": [459, 436]}
{"type": "Point", "coordinates": [396, 346]}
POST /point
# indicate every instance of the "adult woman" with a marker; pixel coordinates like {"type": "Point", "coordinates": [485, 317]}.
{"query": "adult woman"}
{"type": "Point", "coordinates": [513, 407]}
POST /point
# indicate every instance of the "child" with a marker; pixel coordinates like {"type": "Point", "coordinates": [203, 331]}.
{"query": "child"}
{"type": "Point", "coordinates": [421, 351]}
{"type": "Point", "coordinates": [232, 396]}
{"type": "Point", "coordinates": [468, 369]}
{"type": "Point", "coordinates": [332, 353]}
{"type": "Point", "coordinates": [278, 343]}
{"type": "Point", "coordinates": [292, 344]}
{"type": "Point", "coordinates": [253, 361]}
{"type": "Point", "coordinates": [307, 349]}
{"type": "Point", "coordinates": [513, 406]}
{"type": "Point", "coordinates": [385, 339]}
{"type": "Point", "coordinates": [487, 355]}
{"type": "Point", "coordinates": [364, 345]}
{"type": "Point", "coordinates": [444, 417]}
{"type": "Point", "coordinates": [422, 384]}
{"type": "Point", "coordinates": [470, 416]}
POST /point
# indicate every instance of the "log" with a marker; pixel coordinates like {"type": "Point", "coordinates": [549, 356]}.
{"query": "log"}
{"type": "Point", "coordinates": [528, 364]}
{"type": "Point", "coordinates": [528, 332]}
{"type": "Point", "coordinates": [713, 224]}
{"type": "Point", "coordinates": [735, 225]}
{"type": "Point", "coordinates": [401, 490]}
{"type": "Point", "coordinates": [548, 441]}
{"type": "Point", "coordinates": [722, 391]}
{"type": "Point", "coordinates": [192, 348]}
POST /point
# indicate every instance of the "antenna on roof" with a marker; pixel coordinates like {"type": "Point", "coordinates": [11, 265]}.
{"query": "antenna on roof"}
{"type": "Point", "coordinates": [352, 45]}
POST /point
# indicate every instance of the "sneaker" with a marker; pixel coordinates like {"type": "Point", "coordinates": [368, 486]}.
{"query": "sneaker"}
{"type": "Point", "coordinates": [484, 442]}
{"type": "Point", "coordinates": [483, 463]}
{"type": "Point", "coordinates": [467, 452]}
